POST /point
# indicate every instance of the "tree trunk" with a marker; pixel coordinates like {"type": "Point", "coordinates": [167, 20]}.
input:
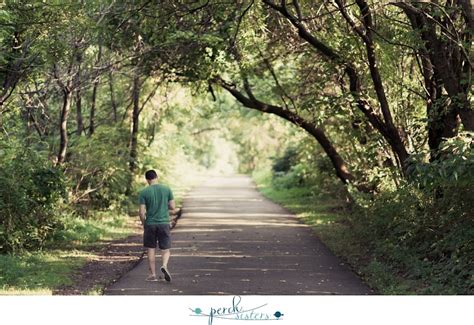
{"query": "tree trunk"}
{"type": "Point", "coordinates": [112, 97]}
{"type": "Point", "coordinates": [444, 66]}
{"type": "Point", "coordinates": [1, 114]}
{"type": "Point", "coordinates": [67, 99]}
{"type": "Point", "coordinates": [467, 118]}
{"type": "Point", "coordinates": [79, 118]}
{"type": "Point", "coordinates": [365, 32]}
{"type": "Point", "coordinates": [94, 97]}
{"type": "Point", "coordinates": [12, 70]}
{"type": "Point", "coordinates": [93, 106]}
{"type": "Point", "coordinates": [134, 124]}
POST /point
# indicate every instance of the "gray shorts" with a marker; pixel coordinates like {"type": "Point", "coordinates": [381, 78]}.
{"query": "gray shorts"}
{"type": "Point", "coordinates": [157, 233]}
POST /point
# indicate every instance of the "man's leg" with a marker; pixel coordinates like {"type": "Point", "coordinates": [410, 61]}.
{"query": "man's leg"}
{"type": "Point", "coordinates": [165, 256]}
{"type": "Point", "coordinates": [164, 240]}
{"type": "Point", "coordinates": [152, 261]}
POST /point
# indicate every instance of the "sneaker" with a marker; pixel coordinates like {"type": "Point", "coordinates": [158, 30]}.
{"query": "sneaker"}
{"type": "Point", "coordinates": [166, 273]}
{"type": "Point", "coordinates": [151, 278]}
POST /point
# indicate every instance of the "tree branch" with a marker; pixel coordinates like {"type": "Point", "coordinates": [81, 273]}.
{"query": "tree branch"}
{"type": "Point", "coordinates": [386, 128]}
{"type": "Point", "coordinates": [252, 102]}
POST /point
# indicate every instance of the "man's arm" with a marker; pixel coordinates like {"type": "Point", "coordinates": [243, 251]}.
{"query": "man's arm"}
{"type": "Point", "coordinates": [171, 206]}
{"type": "Point", "coordinates": [141, 213]}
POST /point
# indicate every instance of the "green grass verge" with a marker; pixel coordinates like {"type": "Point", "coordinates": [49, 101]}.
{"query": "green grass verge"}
{"type": "Point", "coordinates": [82, 233]}
{"type": "Point", "coordinates": [329, 221]}
{"type": "Point", "coordinates": [39, 273]}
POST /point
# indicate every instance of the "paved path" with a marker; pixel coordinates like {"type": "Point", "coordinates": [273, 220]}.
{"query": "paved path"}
{"type": "Point", "coordinates": [231, 240]}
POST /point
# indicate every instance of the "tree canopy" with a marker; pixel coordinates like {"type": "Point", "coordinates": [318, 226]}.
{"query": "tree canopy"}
{"type": "Point", "coordinates": [373, 95]}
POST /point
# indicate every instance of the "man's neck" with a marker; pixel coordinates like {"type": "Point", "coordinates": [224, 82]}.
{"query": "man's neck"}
{"type": "Point", "coordinates": [153, 182]}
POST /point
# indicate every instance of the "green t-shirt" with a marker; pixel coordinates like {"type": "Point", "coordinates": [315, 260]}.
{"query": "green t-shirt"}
{"type": "Point", "coordinates": [156, 198]}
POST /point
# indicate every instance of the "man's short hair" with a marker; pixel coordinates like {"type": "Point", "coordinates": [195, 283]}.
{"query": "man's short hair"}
{"type": "Point", "coordinates": [151, 174]}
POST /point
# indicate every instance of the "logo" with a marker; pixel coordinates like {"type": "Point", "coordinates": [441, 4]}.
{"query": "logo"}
{"type": "Point", "coordinates": [237, 311]}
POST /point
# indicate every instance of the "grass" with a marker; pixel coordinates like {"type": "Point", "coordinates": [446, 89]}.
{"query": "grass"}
{"type": "Point", "coordinates": [82, 233]}
{"type": "Point", "coordinates": [317, 209]}
{"type": "Point", "coordinates": [326, 215]}
{"type": "Point", "coordinates": [40, 272]}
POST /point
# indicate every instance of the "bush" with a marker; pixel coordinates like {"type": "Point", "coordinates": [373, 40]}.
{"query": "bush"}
{"type": "Point", "coordinates": [284, 163]}
{"type": "Point", "coordinates": [287, 170]}
{"type": "Point", "coordinates": [424, 229]}
{"type": "Point", "coordinates": [296, 168]}
{"type": "Point", "coordinates": [293, 178]}
{"type": "Point", "coordinates": [98, 170]}
{"type": "Point", "coordinates": [30, 191]}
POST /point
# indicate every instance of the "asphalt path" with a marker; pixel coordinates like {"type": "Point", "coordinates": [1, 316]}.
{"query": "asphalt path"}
{"type": "Point", "coordinates": [233, 241]}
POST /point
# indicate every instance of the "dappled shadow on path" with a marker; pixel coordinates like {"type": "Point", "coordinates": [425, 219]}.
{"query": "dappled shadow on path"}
{"type": "Point", "coordinates": [231, 240]}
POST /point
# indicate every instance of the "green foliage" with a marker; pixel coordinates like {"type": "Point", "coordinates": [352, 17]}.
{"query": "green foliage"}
{"type": "Point", "coordinates": [418, 226]}
{"type": "Point", "coordinates": [315, 206]}
{"type": "Point", "coordinates": [453, 168]}
{"type": "Point", "coordinates": [97, 169]}
{"type": "Point", "coordinates": [257, 137]}
{"type": "Point", "coordinates": [76, 231]}
{"type": "Point", "coordinates": [302, 165]}
{"type": "Point", "coordinates": [423, 229]}
{"type": "Point", "coordinates": [30, 191]}
{"type": "Point", "coordinates": [284, 163]}
{"type": "Point", "coordinates": [288, 180]}
{"type": "Point", "coordinates": [424, 239]}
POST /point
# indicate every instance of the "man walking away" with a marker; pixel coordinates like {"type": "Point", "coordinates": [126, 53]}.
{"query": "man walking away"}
{"type": "Point", "coordinates": [156, 201]}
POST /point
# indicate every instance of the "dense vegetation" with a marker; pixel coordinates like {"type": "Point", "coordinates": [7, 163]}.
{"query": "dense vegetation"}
{"type": "Point", "coordinates": [368, 103]}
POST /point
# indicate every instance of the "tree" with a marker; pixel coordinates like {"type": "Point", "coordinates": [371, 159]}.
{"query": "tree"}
{"type": "Point", "coordinates": [250, 101]}
{"type": "Point", "coordinates": [19, 46]}
{"type": "Point", "coordinates": [444, 31]}
{"type": "Point", "coordinates": [383, 124]}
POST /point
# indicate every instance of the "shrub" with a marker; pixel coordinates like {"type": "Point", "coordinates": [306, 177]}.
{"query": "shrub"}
{"type": "Point", "coordinates": [98, 170]}
{"type": "Point", "coordinates": [30, 191]}
{"type": "Point", "coordinates": [293, 178]}
{"type": "Point", "coordinates": [284, 163]}
{"type": "Point", "coordinates": [296, 168]}
{"type": "Point", "coordinates": [424, 229]}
